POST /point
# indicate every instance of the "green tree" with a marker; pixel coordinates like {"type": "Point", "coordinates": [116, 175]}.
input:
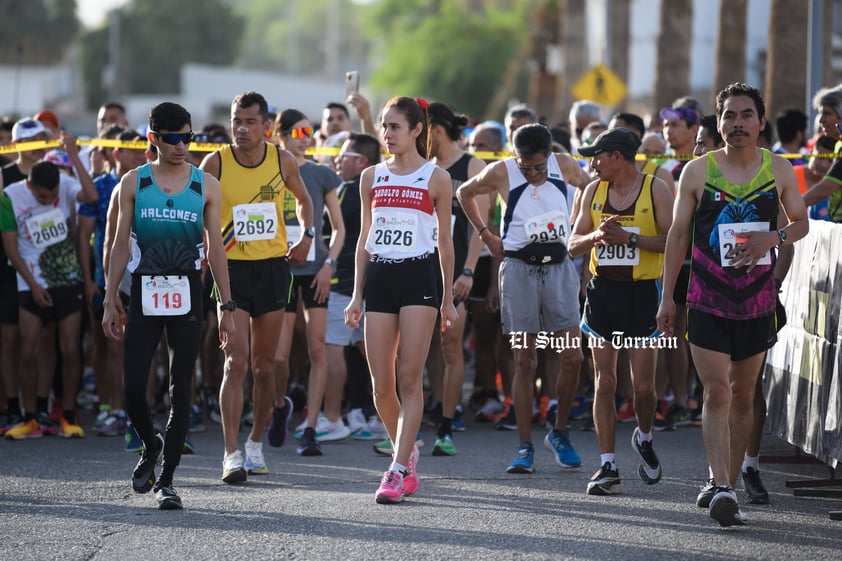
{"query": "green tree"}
{"type": "Point", "coordinates": [37, 32]}
{"type": "Point", "coordinates": [456, 52]}
{"type": "Point", "coordinates": [156, 39]}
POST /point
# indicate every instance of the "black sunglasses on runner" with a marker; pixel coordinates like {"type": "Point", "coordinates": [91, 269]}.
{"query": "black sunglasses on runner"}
{"type": "Point", "coordinates": [175, 137]}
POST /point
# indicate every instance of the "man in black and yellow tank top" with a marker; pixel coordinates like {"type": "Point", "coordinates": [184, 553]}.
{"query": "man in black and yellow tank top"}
{"type": "Point", "coordinates": [728, 205]}
{"type": "Point", "coordinates": [623, 224]}
{"type": "Point", "coordinates": [253, 175]}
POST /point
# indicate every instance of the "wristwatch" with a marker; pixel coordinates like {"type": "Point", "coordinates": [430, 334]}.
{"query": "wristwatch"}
{"type": "Point", "coordinates": [632, 239]}
{"type": "Point", "coordinates": [229, 306]}
{"type": "Point", "coordinates": [782, 235]}
{"type": "Point", "coordinates": [310, 233]}
{"type": "Point", "coordinates": [331, 262]}
{"type": "Point", "coordinates": [467, 272]}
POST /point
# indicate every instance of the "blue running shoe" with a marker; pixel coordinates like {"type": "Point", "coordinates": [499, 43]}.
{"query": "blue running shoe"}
{"type": "Point", "coordinates": [197, 420]}
{"type": "Point", "coordinates": [133, 441]}
{"type": "Point", "coordinates": [558, 443]}
{"type": "Point", "coordinates": [523, 462]}
{"type": "Point", "coordinates": [458, 423]}
{"type": "Point", "coordinates": [188, 446]}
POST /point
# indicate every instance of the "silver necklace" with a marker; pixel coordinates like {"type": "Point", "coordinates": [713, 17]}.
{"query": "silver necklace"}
{"type": "Point", "coordinates": [624, 204]}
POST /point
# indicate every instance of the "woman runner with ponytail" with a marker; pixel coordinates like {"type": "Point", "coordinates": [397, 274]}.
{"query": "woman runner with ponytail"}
{"type": "Point", "coordinates": [403, 199]}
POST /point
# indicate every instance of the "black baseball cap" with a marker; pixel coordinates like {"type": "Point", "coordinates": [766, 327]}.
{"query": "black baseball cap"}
{"type": "Point", "coordinates": [621, 140]}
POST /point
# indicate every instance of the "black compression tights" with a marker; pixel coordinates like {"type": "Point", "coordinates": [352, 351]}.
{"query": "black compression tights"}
{"type": "Point", "coordinates": [140, 341]}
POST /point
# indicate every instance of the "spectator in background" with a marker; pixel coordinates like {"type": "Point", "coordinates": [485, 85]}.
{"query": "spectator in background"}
{"type": "Point", "coordinates": [516, 117]}
{"type": "Point", "coordinates": [766, 137]}
{"type": "Point", "coordinates": [708, 137]}
{"type": "Point", "coordinates": [446, 129]}
{"type": "Point", "coordinates": [344, 345]}
{"type": "Point", "coordinates": [791, 126]}
{"type": "Point", "coordinates": [107, 353]}
{"type": "Point", "coordinates": [653, 144]}
{"type": "Point", "coordinates": [591, 131]}
{"type": "Point", "coordinates": [333, 130]}
{"type": "Point", "coordinates": [6, 124]}
{"type": "Point", "coordinates": [51, 122]}
{"type": "Point", "coordinates": [828, 104]}
{"type": "Point", "coordinates": [689, 102]}
{"type": "Point", "coordinates": [310, 283]}
{"type": "Point", "coordinates": [492, 353]}
{"type": "Point", "coordinates": [110, 113]}
{"type": "Point", "coordinates": [634, 123]}
{"type": "Point", "coordinates": [102, 158]}
{"type": "Point", "coordinates": [681, 126]}
{"type": "Point", "coordinates": [816, 169]}
{"type": "Point", "coordinates": [581, 113]}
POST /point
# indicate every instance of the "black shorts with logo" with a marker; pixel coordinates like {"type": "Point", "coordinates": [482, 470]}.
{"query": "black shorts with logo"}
{"type": "Point", "coordinates": [394, 283]}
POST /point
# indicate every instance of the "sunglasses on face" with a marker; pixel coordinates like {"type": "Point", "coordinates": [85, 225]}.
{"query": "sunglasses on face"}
{"type": "Point", "coordinates": [348, 155]}
{"type": "Point", "coordinates": [175, 137]}
{"type": "Point", "coordinates": [540, 168]}
{"type": "Point", "coordinates": [301, 132]}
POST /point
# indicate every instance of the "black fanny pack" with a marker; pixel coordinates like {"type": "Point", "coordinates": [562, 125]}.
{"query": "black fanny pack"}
{"type": "Point", "coordinates": [540, 253]}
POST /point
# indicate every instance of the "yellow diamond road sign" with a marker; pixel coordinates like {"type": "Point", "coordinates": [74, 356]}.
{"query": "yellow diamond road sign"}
{"type": "Point", "coordinates": [601, 85]}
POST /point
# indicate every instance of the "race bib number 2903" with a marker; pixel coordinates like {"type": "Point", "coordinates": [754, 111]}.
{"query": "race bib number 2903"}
{"type": "Point", "coordinates": [165, 296]}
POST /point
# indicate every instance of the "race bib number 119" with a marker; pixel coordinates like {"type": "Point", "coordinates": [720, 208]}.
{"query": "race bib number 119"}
{"type": "Point", "coordinates": [165, 296]}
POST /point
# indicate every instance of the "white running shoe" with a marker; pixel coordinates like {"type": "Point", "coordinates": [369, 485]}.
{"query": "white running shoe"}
{"type": "Point", "coordinates": [331, 431]}
{"type": "Point", "coordinates": [232, 468]}
{"type": "Point", "coordinates": [320, 422]}
{"type": "Point", "coordinates": [255, 464]}
{"type": "Point", "coordinates": [356, 420]}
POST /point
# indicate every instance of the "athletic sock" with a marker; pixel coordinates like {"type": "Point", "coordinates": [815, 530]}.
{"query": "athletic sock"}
{"type": "Point", "coordinates": [752, 462]}
{"type": "Point", "coordinates": [643, 436]}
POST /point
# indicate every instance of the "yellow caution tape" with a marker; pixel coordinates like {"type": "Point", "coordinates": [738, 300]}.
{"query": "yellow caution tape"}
{"type": "Point", "coordinates": [321, 151]}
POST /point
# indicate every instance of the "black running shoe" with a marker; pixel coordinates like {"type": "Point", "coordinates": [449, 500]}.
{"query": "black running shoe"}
{"type": "Point", "coordinates": [725, 509]}
{"type": "Point", "coordinates": [606, 481]}
{"type": "Point", "coordinates": [309, 445]}
{"type": "Point", "coordinates": [278, 429]}
{"type": "Point", "coordinates": [507, 421]}
{"type": "Point", "coordinates": [167, 498]}
{"type": "Point", "coordinates": [650, 467]}
{"type": "Point", "coordinates": [757, 493]}
{"type": "Point", "coordinates": [143, 476]}
{"type": "Point", "coordinates": [706, 493]}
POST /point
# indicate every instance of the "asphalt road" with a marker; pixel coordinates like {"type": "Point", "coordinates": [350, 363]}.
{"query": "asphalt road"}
{"type": "Point", "coordinates": [72, 500]}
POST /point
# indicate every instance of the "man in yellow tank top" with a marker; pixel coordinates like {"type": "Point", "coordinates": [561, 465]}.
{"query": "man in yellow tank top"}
{"type": "Point", "coordinates": [623, 223]}
{"type": "Point", "coordinates": [253, 175]}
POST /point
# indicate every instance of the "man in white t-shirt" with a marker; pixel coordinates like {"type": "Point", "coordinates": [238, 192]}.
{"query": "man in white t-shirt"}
{"type": "Point", "coordinates": [38, 224]}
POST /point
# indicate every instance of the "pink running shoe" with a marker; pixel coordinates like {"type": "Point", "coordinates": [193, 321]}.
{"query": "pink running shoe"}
{"type": "Point", "coordinates": [391, 489]}
{"type": "Point", "coordinates": [410, 480]}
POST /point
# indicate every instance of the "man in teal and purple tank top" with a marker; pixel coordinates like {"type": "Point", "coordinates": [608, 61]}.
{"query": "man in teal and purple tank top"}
{"type": "Point", "coordinates": [727, 206]}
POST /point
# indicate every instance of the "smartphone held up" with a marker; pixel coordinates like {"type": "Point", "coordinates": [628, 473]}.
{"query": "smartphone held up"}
{"type": "Point", "coordinates": [352, 82]}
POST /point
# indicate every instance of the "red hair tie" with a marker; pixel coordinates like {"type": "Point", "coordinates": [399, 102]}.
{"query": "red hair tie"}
{"type": "Point", "coordinates": [423, 103]}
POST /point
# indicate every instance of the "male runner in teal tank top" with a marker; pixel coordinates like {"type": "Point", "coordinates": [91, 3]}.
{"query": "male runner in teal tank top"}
{"type": "Point", "coordinates": [167, 209]}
